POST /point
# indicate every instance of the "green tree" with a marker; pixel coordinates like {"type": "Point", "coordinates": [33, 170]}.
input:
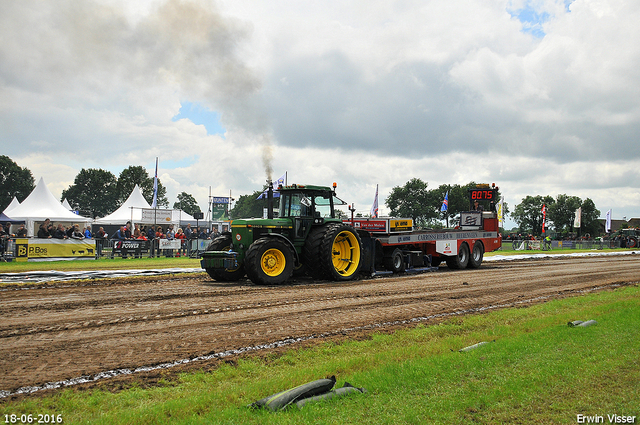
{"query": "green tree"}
{"type": "Point", "coordinates": [137, 174]}
{"type": "Point", "coordinates": [14, 181]}
{"type": "Point", "coordinates": [413, 200]}
{"type": "Point", "coordinates": [93, 192]}
{"type": "Point", "coordinates": [249, 206]}
{"type": "Point", "coordinates": [187, 203]}
{"type": "Point", "coordinates": [562, 211]}
{"type": "Point", "coordinates": [528, 213]}
{"type": "Point", "coordinates": [590, 214]}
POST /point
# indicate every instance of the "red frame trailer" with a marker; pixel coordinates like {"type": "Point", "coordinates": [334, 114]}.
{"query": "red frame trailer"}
{"type": "Point", "coordinates": [393, 245]}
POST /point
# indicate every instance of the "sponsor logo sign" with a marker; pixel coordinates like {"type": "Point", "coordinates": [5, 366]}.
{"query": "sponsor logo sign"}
{"type": "Point", "coordinates": [151, 215]}
{"type": "Point", "coordinates": [57, 248]}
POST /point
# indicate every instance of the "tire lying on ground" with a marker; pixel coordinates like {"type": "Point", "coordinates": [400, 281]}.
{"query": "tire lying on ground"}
{"type": "Point", "coordinates": [333, 252]}
{"type": "Point", "coordinates": [285, 398]}
{"type": "Point", "coordinates": [223, 243]}
{"type": "Point", "coordinates": [338, 392]}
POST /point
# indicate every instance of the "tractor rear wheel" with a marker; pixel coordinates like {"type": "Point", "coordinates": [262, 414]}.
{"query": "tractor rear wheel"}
{"type": "Point", "coordinates": [223, 243]}
{"type": "Point", "coordinates": [461, 260]}
{"type": "Point", "coordinates": [269, 261]}
{"type": "Point", "coordinates": [476, 255]}
{"type": "Point", "coordinates": [333, 252]}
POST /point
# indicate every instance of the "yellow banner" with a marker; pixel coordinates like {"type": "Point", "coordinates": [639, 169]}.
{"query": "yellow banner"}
{"type": "Point", "coordinates": [56, 248]}
{"type": "Point", "coordinates": [402, 225]}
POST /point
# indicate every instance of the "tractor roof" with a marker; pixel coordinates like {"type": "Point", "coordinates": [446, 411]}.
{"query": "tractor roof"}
{"type": "Point", "coordinates": [297, 187]}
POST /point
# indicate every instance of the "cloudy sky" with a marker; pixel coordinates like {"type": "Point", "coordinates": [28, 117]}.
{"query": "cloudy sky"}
{"type": "Point", "coordinates": [541, 97]}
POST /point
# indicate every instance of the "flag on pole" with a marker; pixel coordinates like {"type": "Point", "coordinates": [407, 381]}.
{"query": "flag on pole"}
{"type": "Point", "coordinates": [275, 184]}
{"type": "Point", "coordinates": [500, 219]}
{"type": "Point", "coordinates": [607, 225]}
{"type": "Point", "coordinates": [544, 216]}
{"type": "Point", "coordinates": [374, 207]}
{"type": "Point", "coordinates": [577, 222]}
{"type": "Point", "coordinates": [154, 204]}
{"type": "Point", "coordinates": [445, 203]}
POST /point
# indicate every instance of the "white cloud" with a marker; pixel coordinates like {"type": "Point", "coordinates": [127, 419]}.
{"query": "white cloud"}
{"type": "Point", "coordinates": [353, 92]}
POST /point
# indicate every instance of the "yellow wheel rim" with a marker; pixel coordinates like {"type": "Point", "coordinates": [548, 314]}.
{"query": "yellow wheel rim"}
{"type": "Point", "coordinates": [273, 262]}
{"type": "Point", "coordinates": [345, 253]}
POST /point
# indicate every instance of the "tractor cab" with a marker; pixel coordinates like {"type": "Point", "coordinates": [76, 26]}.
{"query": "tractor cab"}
{"type": "Point", "coordinates": [307, 206]}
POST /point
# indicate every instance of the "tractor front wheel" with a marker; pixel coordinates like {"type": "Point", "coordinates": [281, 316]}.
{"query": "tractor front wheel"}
{"type": "Point", "coordinates": [269, 261]}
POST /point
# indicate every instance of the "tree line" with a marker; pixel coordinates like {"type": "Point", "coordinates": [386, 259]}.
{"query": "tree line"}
{"type": "Point", "coordinates": [95, 192]}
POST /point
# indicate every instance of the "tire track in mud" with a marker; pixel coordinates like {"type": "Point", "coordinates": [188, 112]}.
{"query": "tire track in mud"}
{"type": "Point", "coordinates": [48, 334]}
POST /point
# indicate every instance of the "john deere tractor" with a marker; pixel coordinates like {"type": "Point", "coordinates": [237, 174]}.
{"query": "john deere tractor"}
{"type": "Point", "coordinates": [305, 237]}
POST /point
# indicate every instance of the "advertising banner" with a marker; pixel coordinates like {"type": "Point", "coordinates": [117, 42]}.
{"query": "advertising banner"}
{"type": "Point", "coordinates": [401, 225]}
{"type": "Point", "coordinates": [470, 220]}
{"type": "Point", "coordinates": [152, 216]}
{"type": "Point", "coordinates": [169, 244]}
{"type": "Point", "coordinates": [220, 211]}
{"type": "Point", "coordinates": [54, 248]}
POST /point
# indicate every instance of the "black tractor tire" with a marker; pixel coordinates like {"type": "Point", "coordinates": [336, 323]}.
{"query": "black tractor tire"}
{"type": "Point", "coordinates": [632, 242]}
{"type": "Point", "coordinates": [223, 243]}
{"type": "Point", "coordinates": [333, 252]}
{"type": "Point", "coordinates": [269, 261]}
{"type": "Point", "coordinates": [461, 260]}
{"type": "Point", "coordinates": [477, 253]}
{"type": "Point", "coordinates": [395, 261]}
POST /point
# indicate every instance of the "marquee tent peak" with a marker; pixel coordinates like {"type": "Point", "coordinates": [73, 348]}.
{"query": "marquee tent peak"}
{"type": "Point", "coordinates": [40, 205]}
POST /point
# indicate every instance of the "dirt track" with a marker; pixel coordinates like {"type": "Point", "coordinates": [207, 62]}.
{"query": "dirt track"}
{"type": "Point", "coordinates": [51, 333]}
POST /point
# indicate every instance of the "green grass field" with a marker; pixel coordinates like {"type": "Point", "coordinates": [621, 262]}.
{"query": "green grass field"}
{"type": "Point", "coordinates": [537, 370]}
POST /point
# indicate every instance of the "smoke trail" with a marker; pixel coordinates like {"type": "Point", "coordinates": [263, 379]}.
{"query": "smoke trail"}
{"type": "Point", "coordinates": [267, 156]}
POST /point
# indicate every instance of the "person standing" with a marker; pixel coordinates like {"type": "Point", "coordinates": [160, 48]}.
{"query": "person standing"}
{"type": "Point", "coordinates": [22, 232]}
{"type": "Point", "coordinates": [151, 235]}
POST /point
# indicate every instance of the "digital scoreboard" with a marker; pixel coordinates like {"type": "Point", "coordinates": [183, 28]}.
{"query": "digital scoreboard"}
{"type": "Point", "coordinates": [483, 194]}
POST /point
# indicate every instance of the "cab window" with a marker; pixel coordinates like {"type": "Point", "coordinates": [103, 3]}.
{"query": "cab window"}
{"type": "Point", "coordinates": [323, 206]}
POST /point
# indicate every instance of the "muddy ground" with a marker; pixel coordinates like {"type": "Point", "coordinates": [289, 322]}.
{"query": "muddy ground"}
{"type": "Point", "coordinates": [54, 332]}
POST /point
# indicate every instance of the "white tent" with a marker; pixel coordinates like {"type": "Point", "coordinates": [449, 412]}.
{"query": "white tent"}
{"type": "Point", "coordinates": [40, 205]}
{"type": "Point", "coordinates": [14, 203]}
{"type": "Point", "coordinates": [131, 210]}
{"type": "Point", "coordinates": [65, 204]}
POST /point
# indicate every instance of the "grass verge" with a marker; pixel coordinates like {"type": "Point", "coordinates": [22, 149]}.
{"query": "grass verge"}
{"type": "Point", "coordinates": [538, 370]}
{"type": "Point", "coordinates": [101, 264]}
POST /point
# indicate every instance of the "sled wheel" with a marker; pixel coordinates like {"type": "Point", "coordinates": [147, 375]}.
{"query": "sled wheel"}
{"type": "Point", "coordinates": [476, 255]}
{"type": "Point", "coordinates": [395, 262]}
{"type": "Point", "coordinates": [461, 260]}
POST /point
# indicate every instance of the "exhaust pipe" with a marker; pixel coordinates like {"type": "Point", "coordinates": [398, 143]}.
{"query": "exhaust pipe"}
{"type": "Point", "coordinates": [270, 200]}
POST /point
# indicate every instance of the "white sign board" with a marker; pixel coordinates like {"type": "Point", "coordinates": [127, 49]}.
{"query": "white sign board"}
{"type": "Point", "coordinates": [447, 247]}
{"type": "Point", "coordinates": [152, 216]}
{"type": "Point", "coordinates": [169, 244]}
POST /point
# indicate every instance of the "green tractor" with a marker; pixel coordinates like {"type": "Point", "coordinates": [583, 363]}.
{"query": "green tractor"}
{"type": "Point", "coordinates": [629, 237]}
{"type": "Point", "coordinates": [306, 237]}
